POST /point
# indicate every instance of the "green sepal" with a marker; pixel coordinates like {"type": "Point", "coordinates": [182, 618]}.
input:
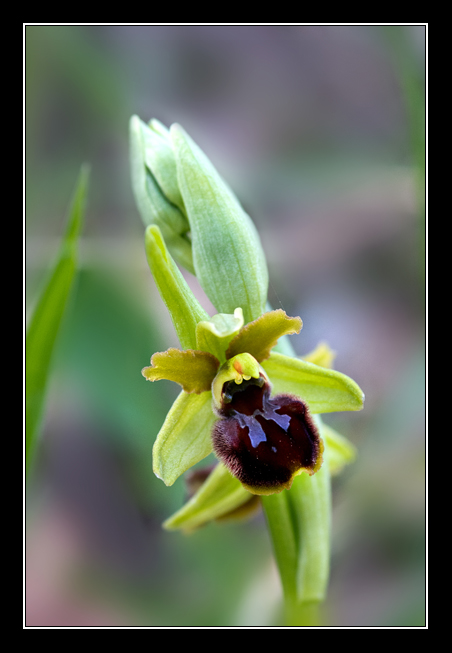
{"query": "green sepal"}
{"type": "Point", "coordinates": [184, 438]}
{"type": "Point", "coordinates": [182, 305]}
{"type": "Point", "coordinates": [341, 451]}
{"type": "Point", "coordinates": [152, 203]}
{"type": "Point", "coordinates": [227, 253]}
{"type": "Point", "coordinates": [324, 390]}
{"type": "Point", "coordinates": [214, 335]}
{"type": "Point", "coordinates": [193, 370]}
{"type": "Point", "coordinates": [260, 336]}
{"type": "Point", "coordinates": [220, 495]}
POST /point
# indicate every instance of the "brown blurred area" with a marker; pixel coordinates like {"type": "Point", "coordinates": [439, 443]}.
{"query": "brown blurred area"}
{"type": "Point", "coordinates": [319, 129]}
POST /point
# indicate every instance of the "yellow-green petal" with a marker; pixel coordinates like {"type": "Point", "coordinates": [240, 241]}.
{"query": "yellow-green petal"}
{"type": "Point", "coordinates": [214, 335]}
{"type": "Point", "coordinates": [184, 438]}
{"type": "Point", "coordinates": [324, 390]}
{"type": "Point", "coordinates": [341, 451]}
{"type": "Point", "coordinates": [193, 370]}
{"type": "Point", "coordinates": [322, 355]}
{"type": "Point", "coordinates": [184, 308]}
{"type": "Point", "coordinates": [260, 336]}
{"type": "Point", "coordinates": [218, 496]}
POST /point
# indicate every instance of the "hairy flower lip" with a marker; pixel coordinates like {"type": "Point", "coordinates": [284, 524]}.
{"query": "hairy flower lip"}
{"type": "Point", "coordinates": [266, 441]}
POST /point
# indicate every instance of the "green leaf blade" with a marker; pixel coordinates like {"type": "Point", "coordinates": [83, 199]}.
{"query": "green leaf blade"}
{"type": "Point", "coordinates": [46, 319]}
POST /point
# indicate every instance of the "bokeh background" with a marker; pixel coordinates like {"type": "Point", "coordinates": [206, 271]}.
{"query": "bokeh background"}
{"type": "Point", "coordinates": [320, 132]}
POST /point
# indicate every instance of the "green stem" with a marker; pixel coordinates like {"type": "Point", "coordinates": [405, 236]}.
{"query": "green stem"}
{"type": "Point", "coordinates": [299, 526]}
{"type": "Point", "coordinates": [302, 614]}
{"type": "Point", "coordinates": [283, 533]}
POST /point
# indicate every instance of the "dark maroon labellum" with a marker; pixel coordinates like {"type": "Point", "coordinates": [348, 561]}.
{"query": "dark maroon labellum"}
{"type": "Point", "coordinates": [265, 441]}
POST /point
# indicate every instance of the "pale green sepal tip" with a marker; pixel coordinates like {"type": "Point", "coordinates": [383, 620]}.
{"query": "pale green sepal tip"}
{"type": "Point", "coordinates": [227, 253]}
{"type": "Point", "coordinates": [138, 171]}
{"type": "Point", "coordinates": [160, 128]}
{"type": "Point", "coordinates": [214, 335]}
{"type": "Point", "coordinates": [182, 305]}
{"type": "Point", "coordinates": [159, 157]}
{"type": "Point", "coordinates": [151, 200]}
{"type": "Point", "coordinates": [153, 206]}
{"type": "Point", "coordinates": [219, 495]}
{"type": "Point", "coordinates": [184, 438]}
{"type": "Point", "coordinates": [324, 390]}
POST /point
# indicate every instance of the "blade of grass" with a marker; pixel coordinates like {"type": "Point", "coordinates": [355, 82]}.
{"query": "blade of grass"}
{"type": "Point", "coordinates": [46, 319]}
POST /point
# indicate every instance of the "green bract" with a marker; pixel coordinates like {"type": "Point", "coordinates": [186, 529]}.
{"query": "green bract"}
{"type": "Point", "coordinates": [204, 226]}
{"type": "Point", "coordinates": [154, 183]}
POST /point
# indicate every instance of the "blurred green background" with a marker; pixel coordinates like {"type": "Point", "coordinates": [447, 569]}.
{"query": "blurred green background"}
{"type": "Point", "coordinates": [320, 132]}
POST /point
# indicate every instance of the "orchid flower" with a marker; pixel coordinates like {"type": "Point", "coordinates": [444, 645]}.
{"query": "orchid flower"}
{"type": "Point", "coordinates": [244, 396]}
